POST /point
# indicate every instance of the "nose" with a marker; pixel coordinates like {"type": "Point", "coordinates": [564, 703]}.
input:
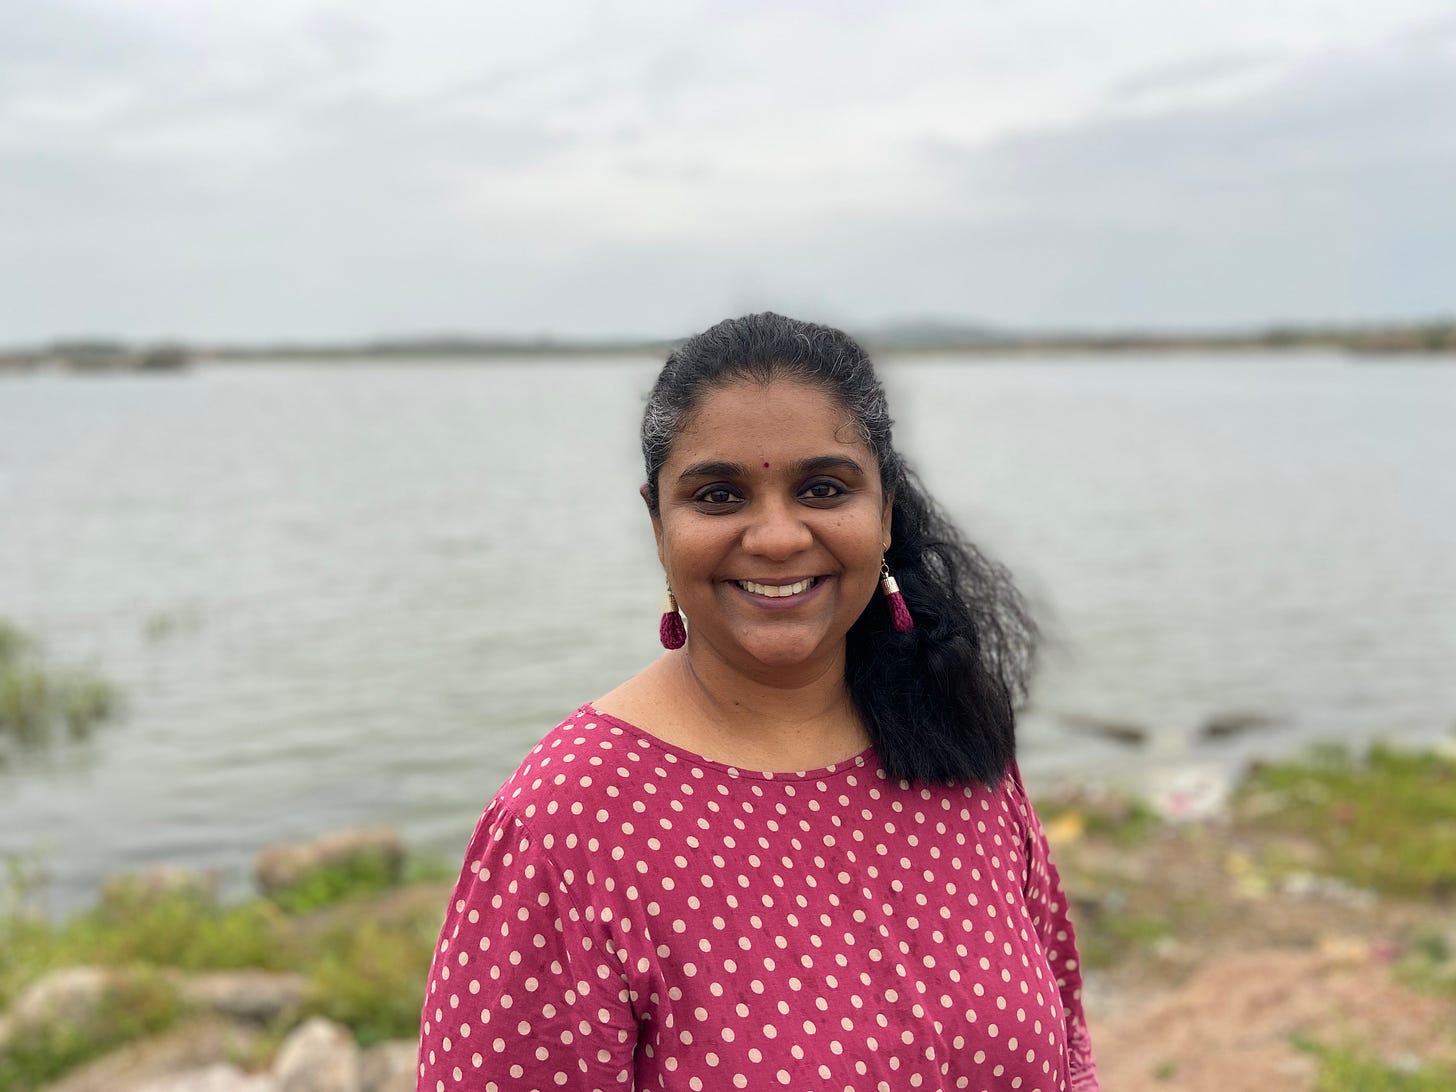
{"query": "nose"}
{"type": "Point", "coordinates": [777, 530]}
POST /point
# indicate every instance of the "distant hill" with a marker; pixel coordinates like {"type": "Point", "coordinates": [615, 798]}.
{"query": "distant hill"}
{"type": "Point", "coordinates": [1436, 338]}
{"type": "Point", "coordinates": [930, 333]}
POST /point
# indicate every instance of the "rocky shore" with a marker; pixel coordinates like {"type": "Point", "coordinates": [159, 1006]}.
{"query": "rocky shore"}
{"type": "Point", "coordinates": [1302, 938]}
{"type": "Point", "coordinates": [313, 986]}
{"type": "Point", "coordinates": [1269, 946]}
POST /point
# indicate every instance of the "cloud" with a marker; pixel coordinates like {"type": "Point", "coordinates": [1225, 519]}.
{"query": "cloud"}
{"type": "Point", "coordinates": [1278, 203]}
{"type": "Point", "coordinates": [329, 170]}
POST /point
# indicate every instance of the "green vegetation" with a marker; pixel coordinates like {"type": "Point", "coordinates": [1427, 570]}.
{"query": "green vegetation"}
{"type": "Point", "coordinates": [1429, 961]}
{"type": "Point", "coordinates": [364, 955]}
{"type": "Point", "coordinates": [1117, 913]}
{"type": "Point", "coordinates": [140, 1004]}
{"type": "Point", "coordinates": [1327, 826]}
{"type": "Point", "coordinates": [1123, 820]}
{"type": "Point", "coordinates": [1345, 1070]}
{"type": "Point", "coordinates": [371, 978]}
{"type": "Point", "coordinates": [187, 929]}
{"type": "Point", "coordinates": [1147, 894]}
{"type": "Point", "coordinates": [1105, 937]}
{"type": "Point", "coordinates": [1386, 822]}
{"type": "Point", "coordinates": [36, 700]}
{"type": "Point", "coordinates": [362, 874]}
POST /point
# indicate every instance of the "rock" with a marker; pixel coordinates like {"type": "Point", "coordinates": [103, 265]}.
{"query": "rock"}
{"type": "Point", "coordinates": [74, 996]}
{"type": "Point", "coordinates": [71, 994]}
{"type": "Point", "coordinates": [259, 996]}
{"type": "Point", "coordinates": [1228, 725]}
{"type": "Point", "coordinates": [318, 1056]}
{"type": "Point", "coordinates": [407, 907]}
{"type": "Point", "coordinates": [220, 1077]}
{"type": "Point", "coordinates": [185, 1049]}
{"type": "Point", "coordinates": [1128, 734]}
{"type": "Point", "coordinates": [390, 1067]}
{"type": "Point", "coordinates": [287, 864]}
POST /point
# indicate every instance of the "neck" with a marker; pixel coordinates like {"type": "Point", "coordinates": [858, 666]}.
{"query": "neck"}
{"type": "Point", "coordinates": [770, 722]}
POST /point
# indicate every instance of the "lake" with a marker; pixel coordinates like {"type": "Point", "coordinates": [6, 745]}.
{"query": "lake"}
{"type": "Point", "coordinates": [350, 593]}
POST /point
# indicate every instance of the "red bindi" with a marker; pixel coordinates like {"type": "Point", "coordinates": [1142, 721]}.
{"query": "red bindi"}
{"type": "Point", "coordinates": [765, 466]}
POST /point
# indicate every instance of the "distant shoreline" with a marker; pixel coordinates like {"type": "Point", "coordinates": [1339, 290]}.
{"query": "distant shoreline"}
{"type": "Point", "coordinates": [1432, 339]}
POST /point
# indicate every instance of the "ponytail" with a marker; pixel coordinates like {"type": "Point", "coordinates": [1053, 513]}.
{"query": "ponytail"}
{"type": "Point", "coordinates": [939, 700]}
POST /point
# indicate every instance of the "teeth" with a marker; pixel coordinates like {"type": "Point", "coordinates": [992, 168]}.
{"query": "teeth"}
{"type": "Point", "coordinates": [776, 591]}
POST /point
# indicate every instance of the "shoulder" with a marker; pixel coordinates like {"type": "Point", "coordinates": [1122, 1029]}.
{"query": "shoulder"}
{"type": "Point", "coordinates": [998, 814]}
{"type": "Point", "coordinates": [539, 823]}
{"type": "Point", "coordinates": [582, 771]}
{"type": "Point", "coordinates": [577, 744]}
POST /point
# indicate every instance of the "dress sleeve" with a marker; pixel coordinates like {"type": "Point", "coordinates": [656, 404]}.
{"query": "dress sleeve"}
{"type": "Point", "coordinates": [1048, 904]}
{"type": "Point", "coordinates": [524, 991]}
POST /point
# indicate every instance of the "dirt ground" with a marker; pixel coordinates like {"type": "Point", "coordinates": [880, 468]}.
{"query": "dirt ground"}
{"type": "Point", "coordinates": [1230, 967]}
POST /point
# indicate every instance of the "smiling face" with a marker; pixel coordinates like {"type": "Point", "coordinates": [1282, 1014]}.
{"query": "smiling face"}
{"type": "Point", "coordinates": [771, 526]}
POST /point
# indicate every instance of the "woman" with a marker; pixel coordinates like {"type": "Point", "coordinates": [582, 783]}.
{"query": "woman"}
{"type": "Point", "coordinates": [643, 906]}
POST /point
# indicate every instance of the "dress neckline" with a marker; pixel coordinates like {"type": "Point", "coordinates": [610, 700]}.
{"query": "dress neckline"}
{"type": "Point", "coordinates": [865, 760]}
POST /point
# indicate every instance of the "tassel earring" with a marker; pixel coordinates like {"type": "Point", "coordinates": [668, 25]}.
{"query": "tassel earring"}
{"type": "Point", "coordinates": [671, 631]}
{"type": "Point", "coordinates": [899, 612]}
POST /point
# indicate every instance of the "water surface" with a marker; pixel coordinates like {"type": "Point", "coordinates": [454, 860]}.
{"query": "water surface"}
{"type": "Point", "coordinates": [351, 593]}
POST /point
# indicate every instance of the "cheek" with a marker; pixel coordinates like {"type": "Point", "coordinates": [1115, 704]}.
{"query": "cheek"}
{"type": "Point", "coordinates": [685, 549]}
{"type": "Point", "coordinates": [863, 536]}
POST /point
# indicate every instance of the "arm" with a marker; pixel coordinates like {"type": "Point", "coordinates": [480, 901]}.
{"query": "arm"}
{"type": "Point", "coordinates": [1048, 904]}
{"type": "Point", "coordinates": [523, 993]}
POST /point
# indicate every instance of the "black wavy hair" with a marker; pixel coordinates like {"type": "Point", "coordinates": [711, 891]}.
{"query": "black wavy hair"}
{"type": "Point", "coordinates": [939, 701]}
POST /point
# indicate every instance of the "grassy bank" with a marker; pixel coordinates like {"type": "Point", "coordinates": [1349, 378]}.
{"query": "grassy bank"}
{"type": "Point", "coordinates": [1334, 852]}
{"type": "Point", "coordinates": [1320, 847]}
{"type": "Point", "coordinates": [1386, 822]}
{"type": "Point", "coordinates": [363, 953]}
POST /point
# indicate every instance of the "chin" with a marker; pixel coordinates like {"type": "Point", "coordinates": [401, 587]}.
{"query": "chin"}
{"type": "Point", "coordinates": [784, 653]}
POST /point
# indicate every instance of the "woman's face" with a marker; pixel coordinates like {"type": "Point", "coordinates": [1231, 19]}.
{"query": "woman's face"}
{"type": "Point", "coordinates": [771, 526]}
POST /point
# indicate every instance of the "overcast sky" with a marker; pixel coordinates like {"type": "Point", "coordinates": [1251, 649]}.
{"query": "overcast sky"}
{"type": "Point", "coordinates": [270, 169]}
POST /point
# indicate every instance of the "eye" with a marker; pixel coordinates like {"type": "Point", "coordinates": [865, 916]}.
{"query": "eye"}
{"type": "Point", "coordinates": [822, 490]}
{"type": "Point", "coordinates": [716, 497]}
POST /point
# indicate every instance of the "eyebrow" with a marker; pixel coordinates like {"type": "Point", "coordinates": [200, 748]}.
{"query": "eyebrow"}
{"type": "Point", "coordinates": [817, 464]}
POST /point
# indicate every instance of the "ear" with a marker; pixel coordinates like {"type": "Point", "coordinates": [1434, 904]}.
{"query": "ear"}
{"type": "Point", "coordinates": [656, 518]}
{"type": "Point", "coordinates": [887, 518]}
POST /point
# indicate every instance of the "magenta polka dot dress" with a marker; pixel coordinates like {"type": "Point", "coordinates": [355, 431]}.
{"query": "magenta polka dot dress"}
{"type": "Point", "coordinates": [632, 916]}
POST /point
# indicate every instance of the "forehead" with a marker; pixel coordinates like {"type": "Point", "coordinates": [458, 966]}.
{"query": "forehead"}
{"type": "Point", "coordinates": [783, 418]}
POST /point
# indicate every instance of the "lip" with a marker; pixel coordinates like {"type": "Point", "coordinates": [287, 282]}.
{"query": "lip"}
{"type": "Point", "coordinates": [781, 602]}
